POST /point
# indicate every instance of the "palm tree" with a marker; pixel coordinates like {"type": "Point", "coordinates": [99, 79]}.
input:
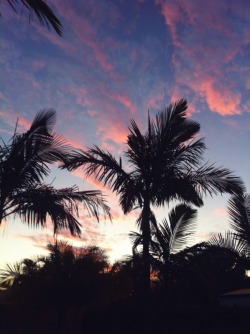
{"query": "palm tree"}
{"type": "Point", "coordinates": [219, 266]}
{"type": "Point", "coordinates": [44, 13]}
{"type": "Point", "coordinates": [167, 242]}
{"type": "Point", "coordinates": [235, 243]}
{"type": "Point", "coordinates": [24, 163]}
{"type": "Point", "coordinates": [172, 235]}
{"type": "Point", "coordinates": [165, 164]}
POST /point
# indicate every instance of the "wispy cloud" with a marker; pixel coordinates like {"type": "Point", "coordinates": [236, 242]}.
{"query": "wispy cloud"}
{"type": "Point", "coordinates": [12, 118]}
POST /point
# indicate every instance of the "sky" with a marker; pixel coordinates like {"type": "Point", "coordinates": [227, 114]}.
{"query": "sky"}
{"type": "Point", "coordinates": [117, 60]}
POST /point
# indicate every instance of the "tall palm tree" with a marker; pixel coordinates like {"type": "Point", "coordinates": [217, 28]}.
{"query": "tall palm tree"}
{"type": "Point", "coordinates": [165, 163]}
{"type": "Point", "coordinates": [24, 163]}
{"type": "Point", "coordinates": [44, 13]}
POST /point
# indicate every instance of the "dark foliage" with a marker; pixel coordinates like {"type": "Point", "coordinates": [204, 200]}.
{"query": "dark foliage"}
{"type": "Point", "coordinates": [68, 276]}
{"type": "Point", "coordinates": [24, 163]}
{"type": "Point", "coordinates": [43, 12]}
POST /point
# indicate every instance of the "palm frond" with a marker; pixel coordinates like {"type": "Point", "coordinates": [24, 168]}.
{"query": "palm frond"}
{"type": "Point", "coordinates": [44, 13]}
{"type": "Point", "coordinates": [228, 241]}
{"type": "Point", "coordinates": [176, 187]}
{"type": "Point", "coordinates": [43, 122]}
{"type": "Point", "coordinates": [212, 180]}
{"type": "Point", "coordinates": [163, 236]}
{"type": "Point", "coordinates": [192, 252]}
{"type": "Point", "coordinates": [136, 239]}
{"type": "Point", "coordinates": [182, 219]}
{"type": "Point", "coordinates": [189, 155]}
{"type": "Point", "coordinates": [9, 274]}
{"type": "Point", "coordinates": [239, 214]}
{"type": "Point", "coordinates": [172, 126]}
{"type": "Point", "coordinates": [35, 204]}
{"type": "Point", "coordinates": [54, 149]}
{"type": "Point", "coordinates": [107, 170]}
{"type": "Point", "coordinates": [137, 149]}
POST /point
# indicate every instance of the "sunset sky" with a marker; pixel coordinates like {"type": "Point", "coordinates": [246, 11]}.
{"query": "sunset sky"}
{"type": "Point", "coordinates": [116, 60]}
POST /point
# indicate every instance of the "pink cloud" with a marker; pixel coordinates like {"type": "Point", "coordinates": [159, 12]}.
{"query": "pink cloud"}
{"type": "Point", "coordinates": [200, 66]}
{"type": "Point", "coordinates": [37, 239]}
{"type": "Point", "coordinates": [126, 102]}
{"type": "Point", "coordinates": [172, 13]}
{"type": "Point", "coordinates": [220, 96]}
{"type": "Point", "coordinates": [221, 100]}
{"type": "Point", "coordinates": [75, 143]}
{"type": "Point", "coordinates": [79, 245]}
{"type": "Point", "coordinates": [55, 39]}
{"type": "Point", "coordinates": [11, 117]}
{"type": "Point", "coordinates": [79, 172]}
{"type": "Point", "coordinates": [213, 15]}
{"type": "Point", "coordinates": [116, 132]}
{"type": "Point", "coordinates": [90, 232]}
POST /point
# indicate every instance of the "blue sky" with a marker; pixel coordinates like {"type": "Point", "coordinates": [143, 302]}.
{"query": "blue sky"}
{"type": "Point", "coordinates": [116, 60]}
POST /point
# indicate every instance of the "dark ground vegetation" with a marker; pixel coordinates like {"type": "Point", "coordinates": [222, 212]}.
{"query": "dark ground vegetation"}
{"type": "Point", "coordinates": [80, 292]}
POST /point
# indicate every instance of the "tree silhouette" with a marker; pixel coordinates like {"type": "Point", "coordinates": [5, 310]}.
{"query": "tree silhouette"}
{"type": "Point", "coordinates": [44, 13]}
{"type": "Point", "coordinates": [24, 163]}
{"type": "Point", "coordinates": [67, 276]}
{"type": "Point", "coordinates": [165, 164]}
{"type": "Point", "coordinates": [167, 242]}
{"type": "Point", "coordinates": [216, 267]}
{"type": "Point", "coordinates": [205, 269]}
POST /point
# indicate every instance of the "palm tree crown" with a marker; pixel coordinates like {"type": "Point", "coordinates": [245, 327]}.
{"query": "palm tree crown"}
{"type": "Point", "coordinates": [24, 163]}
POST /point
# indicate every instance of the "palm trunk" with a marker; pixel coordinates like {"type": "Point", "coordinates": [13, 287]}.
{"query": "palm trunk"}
{"type": "Point", "coordinates": [145, 283]}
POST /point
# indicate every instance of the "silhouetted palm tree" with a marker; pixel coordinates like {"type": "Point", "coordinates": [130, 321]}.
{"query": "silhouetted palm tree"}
{"type": "Point", "coordinates": [218, 266]}
{"type": "Point", "coordinates": [167, 242]}
{"type": "Point", "coordinates": [165, 163]}
{"type": "Point", "coordinates": [24, 163]}
{"type": "Point", "coordinates": [44, 13]}
{"type": "Point", "coordinates": [235, 243]}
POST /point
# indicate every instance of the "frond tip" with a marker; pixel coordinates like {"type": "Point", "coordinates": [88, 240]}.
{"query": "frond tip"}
{"type": "Point", "coordinates": [44, 13]}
